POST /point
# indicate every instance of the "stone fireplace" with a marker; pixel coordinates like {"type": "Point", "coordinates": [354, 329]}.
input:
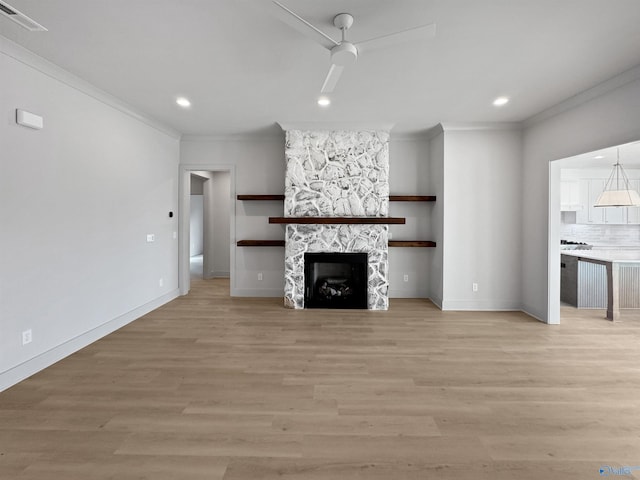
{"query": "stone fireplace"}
{"type": "Point", "coordinates": [337, 174]}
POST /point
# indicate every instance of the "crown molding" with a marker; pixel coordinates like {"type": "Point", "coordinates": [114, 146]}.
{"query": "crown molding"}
{"type": "Point", "coordinates": [235, 137]}
{"type": "Point", "coordinates": [479, 126]}
{"type": "Point", "coordinates": [30, 59]}
{"type": "Point", "coordinates": [585, 96]}
{"type": "Point", "coordinates": [419, 136]}
{"type": "Point", "coordinates": [335, 126]}
{"type": "Point", "coordinates": [444, 127]}
{"type": "Point", "coordinates": [244, 137]}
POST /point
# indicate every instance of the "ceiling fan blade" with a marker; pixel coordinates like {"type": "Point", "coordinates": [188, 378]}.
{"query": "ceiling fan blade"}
{"type": "Point", "coordinates": [332, 78]}
{"type": "Point", "coordinates": [296, 21]}
{"type": "Point", "coordinates": [410, 35]}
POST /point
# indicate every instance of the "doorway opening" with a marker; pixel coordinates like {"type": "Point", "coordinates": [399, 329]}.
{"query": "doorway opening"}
{"type": "Point", "coordinates": [580, 233]}
{"type": "Point", "coordinates": [207, 225]}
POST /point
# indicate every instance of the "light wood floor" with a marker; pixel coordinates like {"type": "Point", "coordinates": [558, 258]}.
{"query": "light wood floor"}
{"type": "Point", "coordinates": [209, 387]}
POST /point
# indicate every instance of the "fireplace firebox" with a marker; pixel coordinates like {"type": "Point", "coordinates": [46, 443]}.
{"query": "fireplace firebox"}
{"type": "Point", "coordinates": [335, 280]}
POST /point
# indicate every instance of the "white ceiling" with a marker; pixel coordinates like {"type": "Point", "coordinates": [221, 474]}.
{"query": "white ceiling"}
{"type": "Point", "coordinates": [244, 70]}
{"type": "Point", "coordinates": [628, 155]}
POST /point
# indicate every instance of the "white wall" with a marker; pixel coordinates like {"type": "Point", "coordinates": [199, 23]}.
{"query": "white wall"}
{"type": "Point", "coordinates": [77, 200]}
{"type": "Point", "coordinates": [482, 218]}
{"type": "Point", "coordinates": [216, 233]}
{"type": "Point", "coordinates": [208, 224]}
{"type": "Point", "coordinates": [436, 186]}
{"type": "Point", "coordinates": [409, 174]}
{"type": "Point", "coordinates": [197, 183]}
{"type": "Point", "coordinates": [608, 115]}
{"type": "Point", "coordinates": [221, 235]}
{"type": "Point", "coordinates": [196, 224]}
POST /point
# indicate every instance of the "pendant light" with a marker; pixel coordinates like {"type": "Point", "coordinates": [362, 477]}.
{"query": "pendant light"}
{"type": "Point", "coordinates": [617, 191]}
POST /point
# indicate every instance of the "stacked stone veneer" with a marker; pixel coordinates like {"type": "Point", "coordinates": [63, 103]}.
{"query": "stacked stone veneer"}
{"type": "Point", "coordinates": [337, 174]}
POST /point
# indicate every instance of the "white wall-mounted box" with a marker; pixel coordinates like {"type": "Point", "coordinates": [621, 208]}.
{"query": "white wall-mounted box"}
{"type": "Point", "coordinates": [28, 119]}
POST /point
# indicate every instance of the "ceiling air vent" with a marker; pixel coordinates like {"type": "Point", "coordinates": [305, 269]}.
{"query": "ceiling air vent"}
{"type": "Point", "coordinates": [20, 18]}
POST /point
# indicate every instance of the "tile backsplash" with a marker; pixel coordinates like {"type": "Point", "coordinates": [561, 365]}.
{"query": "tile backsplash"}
{"type": "Point", "coordinates": [602, 235]}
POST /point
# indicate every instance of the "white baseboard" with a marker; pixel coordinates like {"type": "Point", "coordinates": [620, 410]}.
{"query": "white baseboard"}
{"type": "Point", "coordinates": [258, 292]}
{"type": "Point", "coordinates": [220, 274]}
{"type": "Point", "coordinates": [393, 293]}
{"type": "Point", "coordinates": [25, 370]}
{"type": "Point", "coordinates": [486, 305]}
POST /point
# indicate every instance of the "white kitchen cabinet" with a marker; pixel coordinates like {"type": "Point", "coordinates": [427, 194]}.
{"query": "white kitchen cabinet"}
{"type": "Point", "coordinates": [570, 195]}
{"type": "Point", "coordinates": [582, 215]}
{"type": "Point", "coordinates": [633, 213]}
{"type": "Point", "coordinates": [615, 215]}
{"type": "Point", "coordinates": [589, 191]}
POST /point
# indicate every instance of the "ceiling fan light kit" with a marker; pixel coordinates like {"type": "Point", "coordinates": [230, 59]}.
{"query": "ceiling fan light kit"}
{"type": "Point", "coordinates": [344, 52]}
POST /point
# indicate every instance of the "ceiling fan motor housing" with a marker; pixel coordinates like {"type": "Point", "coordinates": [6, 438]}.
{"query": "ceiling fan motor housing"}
{"type": "Point", "coordinates": [344, 54]}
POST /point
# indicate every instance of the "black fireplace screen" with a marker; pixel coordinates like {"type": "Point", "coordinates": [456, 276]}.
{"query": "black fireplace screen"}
{"type": "Point", "coordinates": [335, 280]}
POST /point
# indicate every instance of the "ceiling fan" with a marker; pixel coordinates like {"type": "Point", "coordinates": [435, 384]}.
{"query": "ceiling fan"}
{"type": "Point", "coordinates": [344, 52]}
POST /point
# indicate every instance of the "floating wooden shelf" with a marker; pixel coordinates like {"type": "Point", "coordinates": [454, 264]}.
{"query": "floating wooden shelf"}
{"type": "Point", "coordinates": [280, 243]}
{"type": "Point", "coordinates": [260, 243]}
{"type": "Point", "coordinates": [340, 220]}
{"type": "Point", "coordinates": [392, 198]}
{"type": "Point", "coordinates": [411, 243]}
{"type": "Point", "coordinates": [260, 197]}
{"type": "Point", "coordinates": [412, 198]}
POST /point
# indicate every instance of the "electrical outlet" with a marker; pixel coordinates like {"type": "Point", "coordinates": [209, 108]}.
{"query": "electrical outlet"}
{"type": "Point", "coordinates": [151, 237]}
{"type": "Point", "coordinates": [406, 277]}
{"type": "Point", "coordinates": [260, 276]}
{"type": "Point", "coordinates": [175, 235]}
{"type": "Point", "coordinates": [161, 282]}
{"type": "Point", "coordinates": [27, 337]}
{"type": "Point", "coordinates": [474, 287]}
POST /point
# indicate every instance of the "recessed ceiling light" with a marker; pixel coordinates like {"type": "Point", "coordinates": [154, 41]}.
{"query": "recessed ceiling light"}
{"type": "Point", "coordinates": [324, 101]}
{"type": "Point", "coordinates": [500, 101]}
{"type": "Point", "coordinates": [183, 102]}
{"type": "Point", "coordinates": [598, 157]}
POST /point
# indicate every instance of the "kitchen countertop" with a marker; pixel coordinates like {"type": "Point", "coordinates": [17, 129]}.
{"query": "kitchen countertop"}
{"type": "Point", "coordinates": [621, 256]}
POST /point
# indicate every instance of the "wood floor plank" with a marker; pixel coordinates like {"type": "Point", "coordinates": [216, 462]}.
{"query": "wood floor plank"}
{"type": "Point", "coordinates": [184, 424]}
{"type": "Point", "coordinates": [126, 467]}
{"type": "Point", "coordinates": [354, 425]}
{"type": "Point", "coordinates": [407, 448]}
{"type": "Point", "coordinates": [212, 387]}
{"type": "Point", "coordinates": [331, 469]}
{"type": "Point", "coordinates": [617, 449]}
{"type": "Point", "coordinates": [211, 445]}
